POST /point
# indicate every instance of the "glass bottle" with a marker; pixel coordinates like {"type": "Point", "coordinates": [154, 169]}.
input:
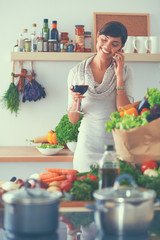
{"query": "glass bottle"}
{"type": "Point", "coordinates": [25, 37]}
{"type": "Point", "coordinates": [109, 167]}
{"type": "Point", "coordinates": [79, 38]}
{"type": "Point", "coordinates": [21, 42]}
{"type": "Point", "coordinates": [54, 31]}
{"type": "Point", "coordinates": [45, 29]}
{"type": "Point", "coordinates": [40, 43]}
{"type": "Point", "coordinates": [34, 38]}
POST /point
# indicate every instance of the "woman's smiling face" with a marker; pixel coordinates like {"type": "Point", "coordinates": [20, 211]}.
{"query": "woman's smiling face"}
{"type": "Point", "coordinates": [107, 46]}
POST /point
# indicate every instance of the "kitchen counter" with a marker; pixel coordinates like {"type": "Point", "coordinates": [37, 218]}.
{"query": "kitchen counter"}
{"type": "Point", "coordinates": [31, 154]}
{"type": "Point", "coordinates": [23, 161]}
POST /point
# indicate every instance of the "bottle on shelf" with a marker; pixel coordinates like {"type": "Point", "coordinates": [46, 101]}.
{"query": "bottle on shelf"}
{"type": "Point", "coordinates": [25, 37]}
{"type": "Point", "coordinates": [21, 43]}
{"type": "Point", "coordinates": [54, 31]}
{"type": "Point", "coordinates": [27, 41]}
{"type": "Point", "coordinates": [34, 38]}
{"type": "Point", "coordinates": [45, 29]}
{"type": "Point", "coordinates": [40, 43]}
{"type": "Point", "coordinates": [109, 167]}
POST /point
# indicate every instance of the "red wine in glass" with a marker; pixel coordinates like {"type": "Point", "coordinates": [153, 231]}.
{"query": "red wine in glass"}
{"type": "Point", "coordinates": [81, 89]}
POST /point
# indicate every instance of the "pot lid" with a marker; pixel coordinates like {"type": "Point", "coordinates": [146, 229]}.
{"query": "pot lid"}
{"type": "Point", "coordinates": [133, 193]}
{"type": "Point", "coordinates": [27, 196]}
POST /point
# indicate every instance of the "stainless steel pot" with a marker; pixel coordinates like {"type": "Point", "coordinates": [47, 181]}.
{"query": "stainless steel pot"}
{"type": "Point", "coordinates": [123, 211]}
{"type": "Point", "coordinates": [31, 211]}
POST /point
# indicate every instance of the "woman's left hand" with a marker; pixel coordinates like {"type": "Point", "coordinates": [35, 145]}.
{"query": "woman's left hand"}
{"type": "Point", "coordinates": [118, 64]}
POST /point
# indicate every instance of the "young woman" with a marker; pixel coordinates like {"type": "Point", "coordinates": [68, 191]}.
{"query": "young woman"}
{"type": "Point", "coordinates": [110, 86]}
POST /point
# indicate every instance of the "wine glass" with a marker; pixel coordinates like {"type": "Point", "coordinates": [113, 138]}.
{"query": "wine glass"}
{"type": "Point", "coordinates": [81, 89]}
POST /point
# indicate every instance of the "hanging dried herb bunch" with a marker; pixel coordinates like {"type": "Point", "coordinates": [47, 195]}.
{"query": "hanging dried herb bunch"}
{"type": "Point", "coordinates": [11, 97]}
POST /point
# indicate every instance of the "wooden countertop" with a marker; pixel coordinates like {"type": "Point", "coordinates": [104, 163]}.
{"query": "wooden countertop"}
{"type": "Point", "coordinates": [31, 154]}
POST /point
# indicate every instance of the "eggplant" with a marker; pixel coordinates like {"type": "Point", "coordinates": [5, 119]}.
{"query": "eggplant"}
{"type": "Point", "coordinates": [143, 104]}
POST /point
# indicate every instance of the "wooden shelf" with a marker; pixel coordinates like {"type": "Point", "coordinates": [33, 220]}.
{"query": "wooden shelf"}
{"type": "Point", "coordinates": [31, 154]}
{"type": "Point", "coordinates": [74, 57]}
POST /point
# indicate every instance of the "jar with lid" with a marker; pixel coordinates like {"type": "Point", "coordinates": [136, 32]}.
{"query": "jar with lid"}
{"type": "Point", "coordinates": [79, 38]}
{"type": "Point", "coordinates": [27, 45]}
{"type": "Point", "coordinates": [64, 36]}
{"type": "Point", "coordinates": [109, 167]}
{"type": "Point", "coordinates": [87, 42]}
{"type": "Point", "coordinates": [63, 46]}
{"type": "Point", "coordinates": [40, 43]}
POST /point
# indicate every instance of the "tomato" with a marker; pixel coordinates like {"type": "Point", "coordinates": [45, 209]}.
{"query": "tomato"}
{"type": "Point", "coordinates": [144, 110]}
{"type": "Point", "coordinates": [66, 186]}
{"type": "Point", "coordinates": [51, 137]}
{"type": "Point", "coordinates": [92, 177]}
{"type": "Point", "coordinates": [71, 177]}
{"type": "Point", "coordinates": [149, 165]}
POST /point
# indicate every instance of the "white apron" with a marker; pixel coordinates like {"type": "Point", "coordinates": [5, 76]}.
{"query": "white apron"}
{"type": "Point", "coordinates": [99, 103]}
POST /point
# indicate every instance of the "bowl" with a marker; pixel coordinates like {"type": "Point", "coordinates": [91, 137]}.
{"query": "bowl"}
{"type": "Point", "coordinates": [49, 151]}
{"type": "Point", "coordinates": [72, 146]}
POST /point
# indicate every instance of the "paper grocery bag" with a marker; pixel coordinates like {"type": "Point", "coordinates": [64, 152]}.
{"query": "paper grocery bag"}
{"type": "Point", "coordinates": [138, 145]}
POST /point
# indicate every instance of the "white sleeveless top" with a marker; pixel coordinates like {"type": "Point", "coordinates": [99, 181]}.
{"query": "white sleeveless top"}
{"type": "Point", "coordinates": [99, 103]}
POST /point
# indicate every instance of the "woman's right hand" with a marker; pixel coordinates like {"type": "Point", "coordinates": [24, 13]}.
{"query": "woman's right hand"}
{"type": "Point", "coordinates": [76, 95]}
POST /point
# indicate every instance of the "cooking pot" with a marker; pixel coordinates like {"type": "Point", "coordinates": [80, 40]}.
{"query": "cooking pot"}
{"type": "Point", "coordinates": [123, 211]}
{"type": "Point", "coordinates": [31, 211]}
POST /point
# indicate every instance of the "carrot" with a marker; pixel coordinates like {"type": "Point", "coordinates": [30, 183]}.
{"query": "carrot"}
{"type": "Point", "coordinates": [61, 170]}
{"type": "Point", "coordinates": [45, 175]}
{"type": "Point", "coordinates": [58, 178]}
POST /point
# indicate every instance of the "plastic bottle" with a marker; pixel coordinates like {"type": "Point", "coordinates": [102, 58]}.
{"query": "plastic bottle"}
{"type": "Point", "coordinates": [54, 31]}
{"type": "Point", "coordinates": [45, 29]}
{"type": "Point", "coordinates": [34, 38]}
{"type": "Point", "coordinates": [109, 167]}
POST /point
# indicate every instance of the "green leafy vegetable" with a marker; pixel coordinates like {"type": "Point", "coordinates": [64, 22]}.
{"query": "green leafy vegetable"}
{"type": "Point", "coordinates": [126, 122]}
{"type": "Point", "coordinates": [66, 131]}
{"type": "Point", "coordinates": [153, 95]}
{"type": "Point", "coordinates": [141, 180]}
{"type": "Point", "coordinates": [82, 190]}
{"type": "Point", "coordinates": [11, 99]}
{"type": "Point", "coordinates": [50, 146]}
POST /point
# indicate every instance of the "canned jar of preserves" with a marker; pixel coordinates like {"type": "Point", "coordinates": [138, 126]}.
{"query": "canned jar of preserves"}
{"type": "Point", "coordinates": [79, 38]}
{"type": "Point", "coordinates": [87, 42]}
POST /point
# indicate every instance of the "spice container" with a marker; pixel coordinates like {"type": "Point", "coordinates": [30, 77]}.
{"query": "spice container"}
{"type": "Point", "coordinates": [27, 45]}
{"type": "Point", "coordinates": [87, 42]}
{"type": "Point", "coordinates": [45, 45]}
{"type": "Point", "coordinates": [50, 45]}
{"type": "Point", "coordinates": [63, 47]}
{"type": "Point", "coordinates": [64, 36]}
{"type": "Point", "coordinates": [79, 38]}
{"type": "Point", "coordinates": [71, 46]}
{"type": "Point", "coordinates": [40, 44]}
{"type": "Point", "coordinates": [108, 167]}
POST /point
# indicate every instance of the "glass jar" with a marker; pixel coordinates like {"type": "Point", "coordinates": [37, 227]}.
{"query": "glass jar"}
{"type": "Point", "coordinates": [79, 38]}
{"type": "Point", "coordinates": [45, 45]}
{"type": "Point", "coordinates": [50, 45]}
{"type": "Point", "coordinates": [39, 44]}
{"type": "Point", "coordinates": [87, 42]}
{"type": "Point", "coordinates": [27, 45]}
{"type": "Point", "coordinates": [63, 47]}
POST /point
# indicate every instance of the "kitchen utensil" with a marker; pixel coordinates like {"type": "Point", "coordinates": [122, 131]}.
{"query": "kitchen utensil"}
{"type": "Point", "coordinates": [31, 211]}
{"type": "Point", "coordinates": [123, 211]}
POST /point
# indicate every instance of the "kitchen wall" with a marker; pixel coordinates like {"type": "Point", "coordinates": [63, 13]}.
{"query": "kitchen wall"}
{"type": "Point", "coordinates": [37, 118]}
